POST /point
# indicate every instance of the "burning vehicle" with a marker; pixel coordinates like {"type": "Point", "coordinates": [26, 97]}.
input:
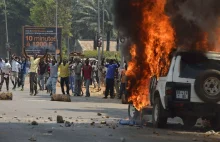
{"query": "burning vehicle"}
{"type": "Point", "coordinates": [185, 84]}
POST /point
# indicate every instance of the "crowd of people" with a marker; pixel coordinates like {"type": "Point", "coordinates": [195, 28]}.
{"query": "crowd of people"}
{"type": "Point", "coordinates": [72, 74]}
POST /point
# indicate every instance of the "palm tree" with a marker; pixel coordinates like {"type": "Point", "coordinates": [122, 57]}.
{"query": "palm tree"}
{"type": "Point", "coordinates": [85, 19]}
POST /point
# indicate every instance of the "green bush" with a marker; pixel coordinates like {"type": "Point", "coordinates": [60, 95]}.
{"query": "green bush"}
{"type": "Point", "coordinates": [106, 54]}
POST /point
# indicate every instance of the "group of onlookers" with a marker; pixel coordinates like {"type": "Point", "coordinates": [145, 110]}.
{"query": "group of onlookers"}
{"type": "Point", "coordinates": [74, 73]}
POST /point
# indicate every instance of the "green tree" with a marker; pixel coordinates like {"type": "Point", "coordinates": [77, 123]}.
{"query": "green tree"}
{"type": "Point", "coordinates": [18, 15]}
{"type": "Point", "coordinates": [85, 19]}
{"type": "Point", "coordinates": [43, 13]}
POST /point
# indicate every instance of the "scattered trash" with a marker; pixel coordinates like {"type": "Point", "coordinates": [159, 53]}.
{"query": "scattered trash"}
{"type": "Point", "coordinates": [122, 139]}
{"type": "Point", "coordinates": [33, 138]}
{"type": "Point", "coordinates": [45, 120]}
{"type": "Point", "coordinates": [99, 114]}
{"type": "Point", "coordinates": [93, 123]}
{"type": "Point", "coordinates": [70, 118]}
{"type": "Point", "coordinates": [106, 116]}
{"type": "Point", "coordinates": [103, 122]}
{"type": "Point", "coordinates": [50, 118]}
{"type": "Point", "coordinates": [60, 119]}
{"type": "Point", "coordinates": [34, 123]}
{"type": "Point", "coordinates": [55, 111]}
{"type": "Point", "coordinates": [1, 117]}
{"type": "Point", "coordinates": [4, 114]}
{"type": "Point", "coordinates": [211, 132]}
{"type": "Point", "coordinates": [15, 117]}
{"type": "Point", "coordinates": [28, 115]}
{"type": "Point", "coordinates": [127, 122]}
{"type": "Point", "coordinates": [67, 124]}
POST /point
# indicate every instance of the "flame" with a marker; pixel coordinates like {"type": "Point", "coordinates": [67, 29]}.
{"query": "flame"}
{"type": "Point", "coordinates": [150, 56]}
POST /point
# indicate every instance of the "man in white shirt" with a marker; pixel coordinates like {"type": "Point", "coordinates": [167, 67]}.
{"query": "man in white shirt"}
{"type": "Point", "coordinates": [15, 70]}
{"type": "Point", "coordinates": [6, 68]}
{"type": "Point", "coordinates": [2, 62]}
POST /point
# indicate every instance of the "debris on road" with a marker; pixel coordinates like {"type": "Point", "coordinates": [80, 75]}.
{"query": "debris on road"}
{"type": "Point", "coordinates": [211, 132]}
{"type": "Point", "coordinates": [6, 96]}
{"type": "Point", "coordinates": [55, 111]}
{"type": "Point", "coordinates": [60, 97]}
{"type": "Point", "coordinates": [93, 123]}
{"type": "Point", "coordinates": [99, 114]}
{"type": "Point", "coordinates": [106, 116]}
{"type": "Point", "coordinates": [15, 117]}
{"type": "Point", "coordinates": [67, 124]}
{"type": "Point", "coordinates": [33, 138]}
{"type": "Point", "coordinates": [70, 118]}
{"type": "Point", "coordinates": [34, 123]}
{"type": "Point", "coordinates": [122, 139]}
{"type": "Point", "coordinates": [50, 118]}
{"type": "Point", "coordinates": [103, 122]}
{"type": "Point", "coordinates": [60, 119]}
{"type": "Point", "coordinates": [1, 117]}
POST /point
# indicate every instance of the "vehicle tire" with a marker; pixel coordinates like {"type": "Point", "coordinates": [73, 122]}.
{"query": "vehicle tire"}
{"type": "Point", "coordinates": [207, 86]}
{"type": "Point", "coordinates": [133, 113]}
{"type": "Point", "coordinates": [124, 99]}
{"type": "Point", "coordinates": [189, 122]}
{"type": "Point", "coordinates": [215, 122]}
{"type": "Point", "coordinates": [152, 88]}
{"type": "Point", "coordinates": [158, 117]}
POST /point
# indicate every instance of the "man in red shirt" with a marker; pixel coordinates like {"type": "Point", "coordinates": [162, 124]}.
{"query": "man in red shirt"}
{"type": "Point", "coordinates": [87, 73]}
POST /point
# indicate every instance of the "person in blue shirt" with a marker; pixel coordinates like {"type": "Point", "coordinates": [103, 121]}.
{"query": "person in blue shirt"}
{"type": "Point", "coordinates": [110, 75]}
{"type": "Point", "coordinates": [23, 72]}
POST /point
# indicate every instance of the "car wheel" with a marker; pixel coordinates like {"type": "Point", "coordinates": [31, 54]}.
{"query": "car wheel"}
{"type": "Point", "coordinates": [124, 99]}
{"type": "Point", "coordinates": [133, 113]}
{"type": "Point", "coordinates": [152, 87]}
{"type": "Point", "coordinates": [189, 122]}
{"type": "Point", "coordinates": [158, 117]}
{"type": "Point", "coordinates": [207, 86]}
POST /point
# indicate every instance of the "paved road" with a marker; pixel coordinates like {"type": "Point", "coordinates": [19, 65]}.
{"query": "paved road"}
{"type": "Point", "coordinates": [16, 117]}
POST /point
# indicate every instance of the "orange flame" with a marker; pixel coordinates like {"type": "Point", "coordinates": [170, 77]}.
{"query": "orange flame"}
{"type": "Point", "coordinates": [156, 43]}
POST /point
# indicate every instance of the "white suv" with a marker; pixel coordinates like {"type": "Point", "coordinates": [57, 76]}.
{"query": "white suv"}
{"type": "Point", "coordinates": [191, 90]}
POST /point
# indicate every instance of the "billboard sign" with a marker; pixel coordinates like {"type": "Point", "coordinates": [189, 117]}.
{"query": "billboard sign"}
{"type": "Point", "coordinates": [37, 39]}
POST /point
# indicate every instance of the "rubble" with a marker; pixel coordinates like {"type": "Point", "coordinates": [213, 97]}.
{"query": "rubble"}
{"type": "Point", "coordinates": [103, 122]}
{"type": "Point", "coordinates": [122, 139]}
{"type": "Point", "coordinates": [211, 132]}
{"type": "Point", "coordinates": [99, 114]}
{"type": "Point", "coordinates": [6, 96]}
{"type": "Point", "coordinates": [50, 118]}
{"type": "Point", "coordinates": [93, 123]}
{"type": "Point", "coordinates": [33, 138]}
{"type": "Point", "coordinates": [34, 123]}
{"type": "Point", "coordinates": [60, 97]}
{"type": "Point", "coordinates": [67, 124]}
{"type": "Point", "coordinates": [60, 119]}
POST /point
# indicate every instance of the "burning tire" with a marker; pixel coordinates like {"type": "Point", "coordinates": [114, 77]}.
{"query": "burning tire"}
{"type": "Point", "coordinates": [158, 117]}
{"type": "Point", "coordinates": [207, 86]}
{"type": "Point", "coordinates": [133, 113]}
{"type": "Point", "coordinates": [152, 87]}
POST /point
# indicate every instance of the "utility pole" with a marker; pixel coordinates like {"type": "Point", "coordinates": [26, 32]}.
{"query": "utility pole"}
{"type": "Point", "coordinates": [6, 27]}
{"type": "Point", "coordinates": [56, 30]}
{"type": "Point", "coordinates": [103, 26]}
{"type": "Point", "coordinates": [99, 57]}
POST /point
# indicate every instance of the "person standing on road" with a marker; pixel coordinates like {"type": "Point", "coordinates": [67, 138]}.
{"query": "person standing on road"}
{"type": "Point", "coordinates": [52, 80]}
{"type": "Point", "coordinates": [33, 71]}
{"type": "Point", "coordinates": [110, 75]}
{"type": "Point", "coordinates": [6, 69]}
{"type": "Point", "coordinates": [2, 62]}
{"type": "Point", "coordinates": [42, 74]}
{"type": "Point", "coordinates": [87, 72]}
{"type": "Point", "coordinates": [64, 75]}
{"type": "Point", "coordinates": [78, 82]}
{"type": "Point", "coordinates": [23, 72]}
{"type": "Point", "coordinates": [94, 73]}
{"type": "Point", "coordinates": [15, 71]}
{"type": "Point", "coordinates": [72, 75]}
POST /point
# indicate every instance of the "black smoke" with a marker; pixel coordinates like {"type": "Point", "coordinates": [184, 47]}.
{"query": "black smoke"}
{"type": "Point", "coordinates": [189, 18]}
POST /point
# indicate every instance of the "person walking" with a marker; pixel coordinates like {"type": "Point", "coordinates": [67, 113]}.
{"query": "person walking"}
{"type": "Point", "coordinates": [2, 62]}
{"type": "Point", "coordinates": [42, 74]}
{"type": "Point", "coordinates": [64, 75]}
{"type": "Point", "coordinates": [110, 75]}
{"type": "Point", "coordinates": [87, 72]}
{"type": "Point", "coordinates": [78, 82]}
{"type": "Point", "coordinates": [52, 80]}
{"type": "Point", "coordinates": [33, 71]}
{"type": "Point", "coordinates": [94, 74]}
{"type": "Point", "coordinates": [14, 71]}
{"type": "Point", "coordinates": [6, 69]}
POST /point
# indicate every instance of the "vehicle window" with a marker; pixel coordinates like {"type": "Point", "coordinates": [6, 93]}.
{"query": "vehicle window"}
{"type": "Point", "coordinates": [192, 70]}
